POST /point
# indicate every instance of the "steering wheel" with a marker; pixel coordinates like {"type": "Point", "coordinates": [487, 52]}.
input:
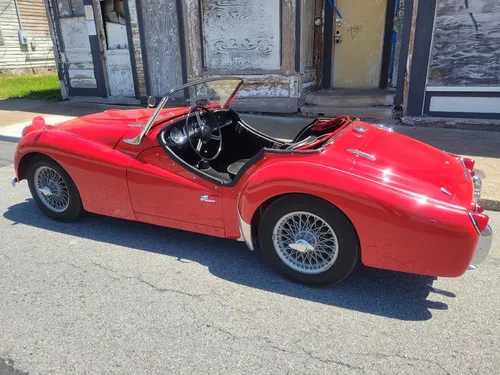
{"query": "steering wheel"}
{"type": "Point", "coordinates": [203, 133]}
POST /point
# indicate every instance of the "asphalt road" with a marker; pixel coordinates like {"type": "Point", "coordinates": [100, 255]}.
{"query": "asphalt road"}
{"type": "Point", "coordinates": [107, 296]}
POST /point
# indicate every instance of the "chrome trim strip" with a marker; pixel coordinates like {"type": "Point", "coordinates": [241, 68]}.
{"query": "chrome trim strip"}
{"type": "Point", "coordinates": [383, 127]}
{"type": "Point", "coordinates": [446, 191]}
{"type": "Point", "coordinates": [361, 153]}
{"type": "Point", "coordinates": [483, 246]}
{"type": "Point", "coordinates": [359, 129]}
{"type": "Point", "coordinates": [474, 223]}
{"type": "Point", "coordinates": [206, 198]}
{"type": "Point", "coordinates": [246, 232]}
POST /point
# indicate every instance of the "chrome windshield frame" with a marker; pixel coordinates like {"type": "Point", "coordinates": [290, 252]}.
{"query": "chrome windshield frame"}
{"type": "Point", "coordinates": [137, 140]}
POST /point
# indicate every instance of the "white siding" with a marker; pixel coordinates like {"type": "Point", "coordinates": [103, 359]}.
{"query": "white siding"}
{"type": "Point", "coordinates": [38, 52]}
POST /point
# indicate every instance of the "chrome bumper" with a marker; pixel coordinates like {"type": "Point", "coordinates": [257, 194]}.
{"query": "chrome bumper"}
{"type": "Point", "coordinates": [478, 185]}
{"type": "Point", "coordinates": [483, 246]}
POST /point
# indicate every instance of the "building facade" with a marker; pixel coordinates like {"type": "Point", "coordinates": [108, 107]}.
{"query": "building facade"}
{"type": "Point", "coordinates": [25, 42]}
{"type": "Point", "coordinates": [456, 59]}
{"type": "Point", "coordinates": [320, 57]}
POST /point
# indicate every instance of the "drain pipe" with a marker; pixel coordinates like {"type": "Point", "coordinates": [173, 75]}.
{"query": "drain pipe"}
{"type": "Point", "coordinates": [18, 15]}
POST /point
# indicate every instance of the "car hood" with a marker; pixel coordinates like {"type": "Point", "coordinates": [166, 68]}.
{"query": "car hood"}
{"type": "Point", "coordinates": [405, 163]}
{"type": "Point", "coordinates": [110, 126]}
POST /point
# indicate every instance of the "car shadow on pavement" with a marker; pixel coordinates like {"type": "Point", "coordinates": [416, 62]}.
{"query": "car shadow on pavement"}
{"type": "Point", "coordinates": [385, 293]}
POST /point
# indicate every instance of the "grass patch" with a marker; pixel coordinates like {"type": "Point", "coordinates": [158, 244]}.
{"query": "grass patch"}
{"type": "Point", "coordinates": [32, 86]}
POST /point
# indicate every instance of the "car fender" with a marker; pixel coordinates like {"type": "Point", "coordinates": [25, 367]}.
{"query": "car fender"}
{"type": "Point", "coordinates": [397, 229]}
{"type": "Point", "coordinates": [89, 164]}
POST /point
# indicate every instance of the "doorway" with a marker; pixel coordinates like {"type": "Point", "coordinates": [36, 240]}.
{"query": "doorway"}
{"type": "Point", "coordinates": [357, 43]}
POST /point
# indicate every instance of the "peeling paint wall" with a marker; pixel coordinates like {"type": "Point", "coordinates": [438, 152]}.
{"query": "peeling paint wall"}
{"type": "Point", "coordinates": [241, 35]}
{"type": "Point", "coordinates": [466, 47]}
{"type": "Point", "coordinates": [111, 21]}
{"type": "Point", "coordinates": [136, 43]}
{"type": "Point", "coordinates": [162, 49]}
{"type": "Point", "coordinates": [77, 55]}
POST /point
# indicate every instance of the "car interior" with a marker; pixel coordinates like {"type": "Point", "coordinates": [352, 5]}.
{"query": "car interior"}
{"type": "Point", "coordinates": [240, 146]}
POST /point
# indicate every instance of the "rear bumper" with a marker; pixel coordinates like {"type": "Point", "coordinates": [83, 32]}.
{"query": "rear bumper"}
{"type": "Point", "coordinates": [483, 246]}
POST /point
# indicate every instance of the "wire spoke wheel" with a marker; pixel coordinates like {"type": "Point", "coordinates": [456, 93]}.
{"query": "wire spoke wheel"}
{"type": "Point", "coordinates": [305, 242]}
{"type": "Point", "coordinates": [51, 189]}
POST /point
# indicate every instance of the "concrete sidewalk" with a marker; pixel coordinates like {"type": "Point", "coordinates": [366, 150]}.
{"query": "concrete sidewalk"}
{"type": "Point", "coordinates": [483, 146]}
{"type": "Point", "coordinates": [15, 114]}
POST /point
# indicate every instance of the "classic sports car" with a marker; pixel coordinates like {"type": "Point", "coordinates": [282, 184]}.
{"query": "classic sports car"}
{"type": "Point", "coordinates": [342, 191]}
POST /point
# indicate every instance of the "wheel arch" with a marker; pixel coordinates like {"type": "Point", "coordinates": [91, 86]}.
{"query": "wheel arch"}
{"type": "Point", "coordinates": [24, 162]}
{"type": "Point", "coordinates": [287, 178]}
{"type": "Point", "coordinates": [257, 215]}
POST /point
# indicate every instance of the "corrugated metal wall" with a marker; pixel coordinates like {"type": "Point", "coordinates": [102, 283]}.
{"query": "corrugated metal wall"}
{"type": "Point", "coordinates": [37, 53]}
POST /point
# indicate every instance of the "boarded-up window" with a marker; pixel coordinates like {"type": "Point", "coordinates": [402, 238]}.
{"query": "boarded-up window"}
{"type": "Point", "coordinates": [241, 35]}
{"type": "Point", "coordinates": [466, 48]}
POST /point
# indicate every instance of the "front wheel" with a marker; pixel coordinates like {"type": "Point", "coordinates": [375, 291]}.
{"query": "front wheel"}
{"type": "Point", "coordinates": [308, 240]}
{"type": "Point", "coordinates": [53, 190]}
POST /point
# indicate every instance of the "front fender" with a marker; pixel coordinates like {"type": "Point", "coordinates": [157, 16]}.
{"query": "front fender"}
{"type": "Point", "coordinates": [397, 229]}
{"type": "Point", "coordinates": [98, 171]}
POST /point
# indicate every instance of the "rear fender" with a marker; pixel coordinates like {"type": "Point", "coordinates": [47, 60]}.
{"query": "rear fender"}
{"type": "Point", "coordinates": [98, 171]}
{"type": "Point", "coordinates": [397, 229]}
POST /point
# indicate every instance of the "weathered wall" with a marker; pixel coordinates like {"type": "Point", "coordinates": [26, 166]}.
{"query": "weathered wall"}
{"type": "Point", "coordinates": [77, 55]}
{"type": "Point", "coordinates": [161, 33]}
{"type": "Point", "coordinates": [136, 42]}
{"type": "Point", "coordinates": [466, 48]}
{"type": "Point", "coordinates": [38, 52]}
{"type": "Point", "coordinates": [241, 35]}
{"type": "Point", "coordinates": [307, 35]}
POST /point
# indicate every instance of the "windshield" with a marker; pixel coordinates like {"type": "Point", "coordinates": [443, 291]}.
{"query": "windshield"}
{"type": "Point", "coordinates": [210, 93]}
{"type": "Point", "coordinates": [214, 93]}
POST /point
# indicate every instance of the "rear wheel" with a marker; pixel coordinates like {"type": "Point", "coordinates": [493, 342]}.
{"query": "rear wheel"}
{"type": "Point", "coordinates": [53, 190]}
{"type": "Point", "coordinates": [308, 240]}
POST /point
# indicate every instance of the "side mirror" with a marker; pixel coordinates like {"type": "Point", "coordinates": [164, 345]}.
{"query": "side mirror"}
{"type": "Point", "coordinates": [151, 101]}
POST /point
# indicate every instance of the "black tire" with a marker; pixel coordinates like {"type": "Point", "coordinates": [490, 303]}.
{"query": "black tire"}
{"type": "Point", "coordinates": [74, 209]}
{"type": "Point", "coordinates": [348, 243]}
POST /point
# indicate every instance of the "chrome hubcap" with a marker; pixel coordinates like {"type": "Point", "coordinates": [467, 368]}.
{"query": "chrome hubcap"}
{"type": "Point", "coordinates": [305, 242]}
{"type": "Point", "coordinates": [51, 189]}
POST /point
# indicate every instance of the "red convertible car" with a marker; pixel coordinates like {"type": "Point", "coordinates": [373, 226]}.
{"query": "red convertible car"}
{"type": "Point", "coordinates": [342, 191]}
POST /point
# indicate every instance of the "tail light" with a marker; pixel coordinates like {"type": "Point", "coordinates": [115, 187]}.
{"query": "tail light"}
{"type": "Point", "coordinates": [480, 220]}
{"type": "Point", "coordinates": [469, 163]}
{"type": "Point", "coordinates": [474, 207]}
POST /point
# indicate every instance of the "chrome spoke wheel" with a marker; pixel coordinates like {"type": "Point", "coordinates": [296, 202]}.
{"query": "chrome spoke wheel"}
{"type": "Point", "coordinates": [305, 242]}
{"type": "Point", "coordinates": [51, 189]}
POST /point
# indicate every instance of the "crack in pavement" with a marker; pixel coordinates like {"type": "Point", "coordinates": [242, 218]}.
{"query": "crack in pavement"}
{"type": "Point", "coordinates": [7, 368]}
{"type": "Point", "coordinates": [151, 285]}
{"type": "Point", "coordinates": [401, 356]}
{"type": "Point", "coordinates": [268, 343]}
{"type": "Point", "coordinates": [7, 257]}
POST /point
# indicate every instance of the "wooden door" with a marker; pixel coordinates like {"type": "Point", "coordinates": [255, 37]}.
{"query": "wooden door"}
{"type": "Point", "coordinates": [78, 47]}
{"type": "Point", "coordinates": [358, 43]}
{"type": "Point", "coordinates": [162, 45]}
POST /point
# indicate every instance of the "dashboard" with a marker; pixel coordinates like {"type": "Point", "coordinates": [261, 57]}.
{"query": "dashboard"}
{"type": "Point", "coordinates": [174, 135]}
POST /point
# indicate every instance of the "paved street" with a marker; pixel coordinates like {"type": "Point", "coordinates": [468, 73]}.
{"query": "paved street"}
{"type": "Point", "coordinates": [107, 296]}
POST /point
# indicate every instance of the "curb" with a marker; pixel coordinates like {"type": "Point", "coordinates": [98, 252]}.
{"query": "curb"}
{"type": "Point", "coordinates": [451, 123]}
{"type": "Point", "coordinates": [490, 204]}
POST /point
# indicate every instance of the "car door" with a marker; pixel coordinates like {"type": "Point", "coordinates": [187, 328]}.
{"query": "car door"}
{"type": "Point", "coordinates": [164, 193]}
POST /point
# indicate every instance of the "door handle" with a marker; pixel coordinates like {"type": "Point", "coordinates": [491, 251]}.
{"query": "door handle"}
{"type": "Point", "coordinates": [205, 198]}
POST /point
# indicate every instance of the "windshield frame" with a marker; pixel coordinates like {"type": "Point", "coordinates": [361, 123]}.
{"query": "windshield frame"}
{"type": "Point", "coordinates": [164, 100]}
